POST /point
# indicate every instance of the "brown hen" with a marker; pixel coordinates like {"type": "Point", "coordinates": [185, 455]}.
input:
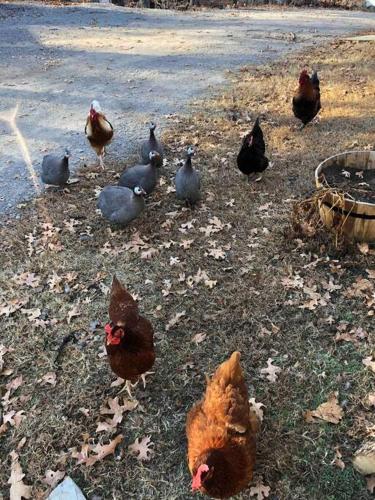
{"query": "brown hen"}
{"type": "Point", "coordinates": [98, 130]}
{"type": "Point", "coordinates": [221, 434]}
{"type": "Point", "coordinates": [129, 337]}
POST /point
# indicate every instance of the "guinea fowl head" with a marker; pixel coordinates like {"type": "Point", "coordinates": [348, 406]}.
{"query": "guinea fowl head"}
{"type": "Point", "coordinates": [154, 158]}
{"type": "Point", "coordinates": [139, 191]}
{"type": "Point", "coordinates": [67, 154]}
{"type": "Point", "coordinates": [304, 78]}
{"type": "Point", "coordinates": [152, 126]}
{"type": "Point", "coordinates": [190, 151]}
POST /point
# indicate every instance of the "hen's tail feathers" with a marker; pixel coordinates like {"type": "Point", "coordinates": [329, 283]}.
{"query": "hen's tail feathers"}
{"type": "Point", "coordinates": [230, 372]}
{"type": "Point", "coordinates": [122, 306]}
{"type": "Point", "coordinates": [315, 79]}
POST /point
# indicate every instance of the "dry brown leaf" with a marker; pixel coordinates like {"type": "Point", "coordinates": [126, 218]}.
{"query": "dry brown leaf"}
{"type": "Point", "coordinates": [28, 279]}
{"type": "Point", "coordinates": [199, 337]}
{"type": "Point", "coordinates": [117, 410]}
{"type": "Point", "coordinates": [371, 273]}
{"type": "Point", "coordinates": [369, 363]}
{"type": "Point", "coordinates": [21, 444]}
{"type": "Point", "coordinates": [49, 378]}
{"type": "Point", "coordinates": [74, 312]}
{"type": "Point", "coordinates": [185, 244]}
{"type": "Point", "coordinates": [52, 478]}
{"type": "Point", "coordinates": [18, 489]}
{"type": "Point", "coordinates": [3, 351]}
{"type": "Point", "coordinates": [257, 408]}
{"type": "Point", "coordinates": [116, 383]}
{"type": "Point", "coordinates": [271, 371]}
{"type": "Point", "coordinates": [216, 253]}
{"type": "Point", "coordinates": [370, 483]}
{"type": "Point", "coordinates": [54, 282]}
{"type": "Point", "coordinates": [149, 253]}
{"type": "Point", "coordinates": [142, 449]}
{"type": "Point", "coordinates": [103, 450]}
{"type": "Point", "coordinates": [371, 399]}
{"type": "Point", "coordinates": [174, 320]}
{"type": "Point", "coordinates": [337, 460]}
{"type": "Point", "coordinates": [32, 314]}
{"type": "Point", "coordinates": [365, 249]}
{"type": "Point", "coordinates": [330, 411]}
{"type": "Point", "coordinates": [260, 490]}
{"type": "Point", "coordinates": [15, 383]}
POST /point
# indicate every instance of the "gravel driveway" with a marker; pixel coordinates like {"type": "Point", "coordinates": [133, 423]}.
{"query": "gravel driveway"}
{"type": "Point", "coordinates": [138, 63]}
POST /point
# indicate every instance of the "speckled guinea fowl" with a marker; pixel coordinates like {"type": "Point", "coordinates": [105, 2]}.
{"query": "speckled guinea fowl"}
{"type": "Point", "coordinates": [251, 159]}
{"type": "Point", "coordinates": [145, 176]}
{"type": "Point", "coordinates": [188, 181]}
{"type": "Point", "coordinates": [120, 205]}
{"type": "Point", "coordinates": [151, 144]}
{"type": "Point", "coordinates": [55, 169]}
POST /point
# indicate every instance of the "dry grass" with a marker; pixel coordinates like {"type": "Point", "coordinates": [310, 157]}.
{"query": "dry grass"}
{"type": "Point", "coordinates": [246, 310]}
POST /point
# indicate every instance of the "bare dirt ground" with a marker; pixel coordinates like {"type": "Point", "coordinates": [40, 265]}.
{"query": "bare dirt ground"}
{"type": "Point", "coordinates": [138, 63]}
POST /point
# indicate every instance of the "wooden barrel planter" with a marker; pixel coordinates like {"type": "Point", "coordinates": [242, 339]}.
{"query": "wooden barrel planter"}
{"type": "Point", "coordinates": [350, 212]}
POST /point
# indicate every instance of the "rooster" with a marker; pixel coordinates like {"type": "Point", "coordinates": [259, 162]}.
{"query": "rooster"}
{"type": "Point", "coordinates": [129, 337]}
{"type": "Point", "coordinates": [251, 158]}
{"type": "Point", "coordinates": [306, 100]}
{"type": "Point", "coordinates": [221, 434]}
{"type": "Point", "coordinates": [98, 130]}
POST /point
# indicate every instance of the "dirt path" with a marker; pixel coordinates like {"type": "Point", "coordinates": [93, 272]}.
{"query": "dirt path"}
{"type": "Point", "coordinates": [138, 63]}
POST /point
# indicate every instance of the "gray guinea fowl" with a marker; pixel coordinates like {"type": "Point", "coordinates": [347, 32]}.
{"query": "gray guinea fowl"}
{"type": "Point", "coordinates": [188, 183]}
{"type": "Point", "coordinates": [55, 169]}
{"type": "Point", "coordinates": [120, 205]}
{"type": "Point", "coordinates": [145, 176]}
{"type": "Point", "coordinates": [151, 144]}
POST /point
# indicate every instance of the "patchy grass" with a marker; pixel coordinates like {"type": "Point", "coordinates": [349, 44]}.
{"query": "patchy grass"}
{"type": "Point", "coordinates": [250, 308]}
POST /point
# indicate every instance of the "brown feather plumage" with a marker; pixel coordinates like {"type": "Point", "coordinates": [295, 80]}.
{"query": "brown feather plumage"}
{"type": "Point", "coordinates": [221, 432]}
{"type": "Point", "coordinates": [134, 354]}
{"type": "Point", "coordinates": [99, 132]}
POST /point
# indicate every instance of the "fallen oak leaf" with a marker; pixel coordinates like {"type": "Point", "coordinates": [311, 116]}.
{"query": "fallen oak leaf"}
{"type": "Point", "coordinates": [369, 363]}
{"type": "Point", "coordinates": [257, 408]}
{"type": "Point", "coordinates": [115, 409]}
{"type": "Point", "coordinates": [142, 449]}
{"type": "Point", "coordinates": [52, 478]}
{"type": "Point", "coordinates": [330, 411]}
{"type": "Point", "coordinates": [337, 460]}
{"type": "Point", "coordinates": [199, 337]}
{"type": "Point", "coordinates": [103, 450]}
{"type": "Point", "coordinates": [74, 312]}
{"type": "Point", "coordinates": [370, 483]}
{"type": "Point", "coordinates": [18, 489]}
{"type": "Point", "coordinates": [49, 378]}
{"type": "Point", "coordinates": [260, 490]}
{"type": "Point", "coordinates": [271, 371]}
{"type": "Point", "coordinates": [174, 320]}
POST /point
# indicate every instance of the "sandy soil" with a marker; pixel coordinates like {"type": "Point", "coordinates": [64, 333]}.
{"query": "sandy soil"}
{"type": "Point", "coordinates": [138, 63]}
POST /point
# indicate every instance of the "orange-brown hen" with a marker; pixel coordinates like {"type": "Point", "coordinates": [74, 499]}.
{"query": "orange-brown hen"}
{"type": "Point", "coordinates": [129, 337]}
{"type": "Point", "coordinates": [221, 434]}
{"type": "Point", "coordinates": [98, 130]}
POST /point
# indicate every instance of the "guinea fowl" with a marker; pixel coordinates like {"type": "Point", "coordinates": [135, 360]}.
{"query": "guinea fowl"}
{"type": "Point", "coordinates": [120, 205]}
{"type": "Point", "coordinates": [129, 337]}
{"type": "Point", "coordinates": [145, 176]}
{"type": "Point", "coordinates": [98, 130]}
{"type": "Point", "coordinates": [151, 144]}
{"type": "Point", "coordinates": [55, 169]}
{"type": "Point", "coordinates": [251, 158]}
{"type": "Point", "coordinates": [188, 181]}
{"type": "Point", "coordinates": [306, 101]}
